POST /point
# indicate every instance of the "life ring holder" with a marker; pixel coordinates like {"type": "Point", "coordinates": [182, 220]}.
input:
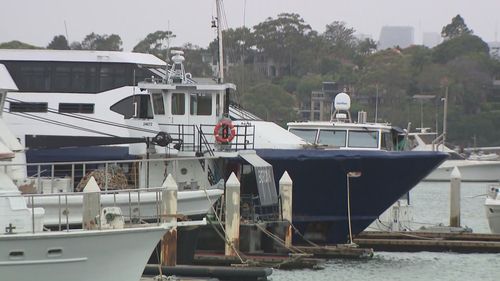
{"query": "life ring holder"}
{"type": "Point", "coordinates": [224, 135]}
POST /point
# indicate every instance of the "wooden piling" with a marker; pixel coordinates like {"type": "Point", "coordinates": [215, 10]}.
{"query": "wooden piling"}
{"type": "Point", "coordinates": [169, 215]}
{"type": "Point", "coordinates": [286, 205]}
{"type": "Point", "coordinates": [232, 215]}
{"type": "Point", "coordinates": [455, 181]}
{"type": "Point", "coordinates": [91, 205]}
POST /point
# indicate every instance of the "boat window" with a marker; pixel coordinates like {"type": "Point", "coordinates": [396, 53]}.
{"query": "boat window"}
{"type": "Point", "coordinates": [28, 107]}
{"type": "Point", "coordinates": [332, 137]}
{"type": "Point", "coordinates": [32, 78]}
{"type": "Point", "coordinates": [51, 253]}
{"type": "Point", "coordinates": [217, 105]}
{"type": "Point", "coordinates": [178, 104]}
{"type": "Point", "coordinates": [14, 255]}
{"type": "Point", "coordinates": [138, 106]}
{"type": "Point", "coordinates": [87, 108]}
{"type": "Point", "coordinates": [158, 106]}
{"type": "Point", "coordinates": [387, 141]}
{"type": "Point", "coordinates": [308, 135]}
{"type": "Point", "coordinates": [62, 79]}
{"type": "Point", "coordinates": [200, 104]}
{"type": "Point", "coordinates": [363, 139]}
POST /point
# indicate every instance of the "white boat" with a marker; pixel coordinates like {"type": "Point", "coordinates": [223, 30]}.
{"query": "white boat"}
{"type": "Point", "coordinates": [195, 198]}
{"type": "Point", "coordinates": [471, 170]}
{"type": "Point", "coordinates": [29, 253]}
{"type": "Point", "coordinates": [492, 208]}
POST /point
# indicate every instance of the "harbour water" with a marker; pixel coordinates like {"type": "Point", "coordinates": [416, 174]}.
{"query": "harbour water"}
{"type": "Point", "coordinates": [430, 207]}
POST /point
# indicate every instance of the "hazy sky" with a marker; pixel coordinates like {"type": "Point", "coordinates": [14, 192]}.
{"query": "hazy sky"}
{"type": "Point", "coordinates": [38, 21]}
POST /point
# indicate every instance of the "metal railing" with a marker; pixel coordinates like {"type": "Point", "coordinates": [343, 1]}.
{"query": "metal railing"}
{"type": "Point", "coordinates": [111, 175]}
{"type": "Point", "coordinates": [129, 201]}
{"type": "Point", "coordinates": [200, 138]}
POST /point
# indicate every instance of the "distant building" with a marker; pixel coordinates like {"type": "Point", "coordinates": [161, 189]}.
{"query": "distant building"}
{"type": "Point", "coordinates": [494, 49]}
{"type": "Point", "coordinates": [392, 36]}
{"type": "Point", "coordinates": [431, 39]}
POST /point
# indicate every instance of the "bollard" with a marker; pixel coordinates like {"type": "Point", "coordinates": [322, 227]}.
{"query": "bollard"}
{"type": "Point", "coordinates": [455, 181]}
{"type": "Point", "coordinates": [169, 215]}
{"type": "Point", "coordinates": [286, 206]}
{"type": "Point", "coordinates": [91, 205]}
{"type": "Point", "coordinates": [232, 215]}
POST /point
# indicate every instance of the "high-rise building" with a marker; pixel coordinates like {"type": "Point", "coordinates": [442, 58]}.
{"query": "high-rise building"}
{"type": "Point", "coordinates": [392, 36]}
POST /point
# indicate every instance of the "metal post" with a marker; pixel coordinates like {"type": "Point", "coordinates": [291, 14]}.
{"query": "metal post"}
{"type": "Point", "coordinates": [232, 215]}
{"type": "Point", "coordinates": [169, 215]}
{"type": "Point", "coordinates": [445, 113]}
{"type": "Point", "coordinates": [286, 205]}
{"type": "Point", "coordinates": [91, 204]}
{"type": "Point", "coordinates": [348, 179]}
{"type": "Point", "coordinates": [455, 182]}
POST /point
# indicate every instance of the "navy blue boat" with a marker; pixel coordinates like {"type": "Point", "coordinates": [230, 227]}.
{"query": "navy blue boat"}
{"type": "Point", "coordinates": [320, 185]}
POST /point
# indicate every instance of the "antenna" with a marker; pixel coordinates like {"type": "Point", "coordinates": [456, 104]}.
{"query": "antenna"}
{"type": "Point", "coordinates": [219, 39]}
{"type": "Point", "coordinates": [66, 30]}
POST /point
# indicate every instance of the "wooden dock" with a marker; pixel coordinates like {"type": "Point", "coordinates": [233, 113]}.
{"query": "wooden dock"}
{"type": "Point", "coordinates": [415, 241]}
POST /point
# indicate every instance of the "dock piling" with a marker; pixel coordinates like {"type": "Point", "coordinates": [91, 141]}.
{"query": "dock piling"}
{"type": "Point", "coordinates": [169, 215]}
{"type": "Point", "coordinates": [455, 182]}
{"type": "Point", "coordinates": [286, 205]}
{"type": "Point", "coordinates": [91, 205]}
{"type": "Point", "coordinates": [232, 215]}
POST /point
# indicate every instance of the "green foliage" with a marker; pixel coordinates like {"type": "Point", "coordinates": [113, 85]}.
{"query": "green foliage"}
{"type": "Point", "coordinates": [459, 46]}
{"type": "Point", "coordinates": [17, 45]}
{"type": "Point", "coordinates": [156, 43]}
{"type": "Point", "coordinates": [59, 42]}
{"type": "Point", "coordinates": [195, 64]}
{"type": "Point", "coordinates": [104, 42]}
{"type": "Point", "coordinates": [271, 103]}
{"type": "Point", "coordinates": [456, 28]}
{"type": "Point", "coordinates": [283, 40]}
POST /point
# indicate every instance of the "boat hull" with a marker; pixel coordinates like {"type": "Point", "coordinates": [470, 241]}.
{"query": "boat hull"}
{"type": "Point", "coordinates": [320, 185]}
{"type": "Point", "coordinates": [492, 208]}
{"type": "Point", "coordinates": [470, 170]}
{"type": "Point", "coordinates": [193, 203]}
{"type": "Point", "coordinates": [105, 255]}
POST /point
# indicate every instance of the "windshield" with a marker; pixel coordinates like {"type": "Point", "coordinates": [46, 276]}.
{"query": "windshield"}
{"type": "Point", "coordinates": [363, 139]}
{"type": "Point", "coordinates": [308, 135]}
{"type": "Point", "coordinates": [333, 138]}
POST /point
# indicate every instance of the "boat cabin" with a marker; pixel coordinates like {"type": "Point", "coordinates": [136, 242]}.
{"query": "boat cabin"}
{"type": "Point", "coordinates": [341, 133]}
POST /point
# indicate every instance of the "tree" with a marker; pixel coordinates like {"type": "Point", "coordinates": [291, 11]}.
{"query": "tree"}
{"type": "Point", "coordinates": [156, 43]}
{"type": "Point", "coordinates": [459, 46]}
{"type": "Point", "coordinates": [456, 28]}
{"type": "Point", "coordinates": [282, 40]}
{"type": "Point", "coordinates": [194, 62]}
{"type": "Point", "coordinates": [59, 42]}
{"type": "Point", "coordinates": [270, 102]}
{"type": "Point", "coordinates": [17, 45]}
{"type": "Point", "coordinates": [104, 42]}
{"type": "Point", "coordinates": [341, 38]}
{"type": "Point", "coordinates": [366, 47]}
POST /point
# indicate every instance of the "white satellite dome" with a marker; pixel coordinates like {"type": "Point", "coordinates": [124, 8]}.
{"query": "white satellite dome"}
{"type": "Point", "coordinates": [342, 102]}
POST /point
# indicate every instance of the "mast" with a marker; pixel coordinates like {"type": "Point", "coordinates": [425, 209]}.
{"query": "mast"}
{"type": "Point", "coordinates": [219, 41]}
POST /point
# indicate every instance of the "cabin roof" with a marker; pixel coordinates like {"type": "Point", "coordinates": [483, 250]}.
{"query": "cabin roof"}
{"type": "Point", "coordinates": [79, 56]}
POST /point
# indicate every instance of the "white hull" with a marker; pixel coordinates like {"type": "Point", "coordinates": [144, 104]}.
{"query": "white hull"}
{"type": "Point", "coordinates": [493, 214]}
{"type": "Point", "coordinates": [190, 203]}
{"type": "Point", "coordinates": [78, 256]}
{"type": "Point", "coordinates": [471, 171]}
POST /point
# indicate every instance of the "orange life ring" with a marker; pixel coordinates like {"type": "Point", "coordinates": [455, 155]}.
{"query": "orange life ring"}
{"type": "Point", "coordinates": [224, 131]}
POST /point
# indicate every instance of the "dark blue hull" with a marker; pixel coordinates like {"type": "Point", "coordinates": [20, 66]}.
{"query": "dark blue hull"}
{"type": "Point", "coordinates": [320, 185]}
